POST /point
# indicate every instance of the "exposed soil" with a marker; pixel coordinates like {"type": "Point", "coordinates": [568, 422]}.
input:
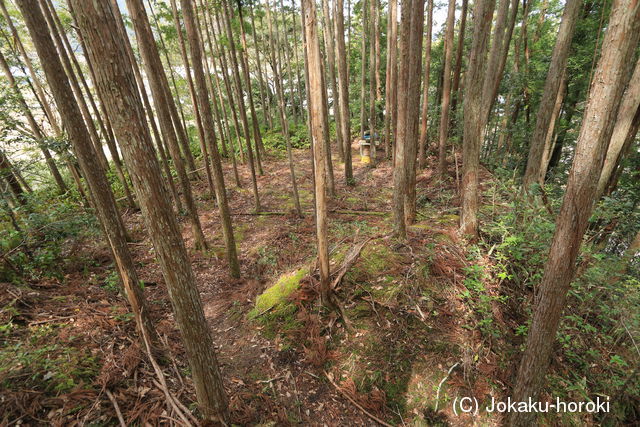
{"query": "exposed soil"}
{"type": "Point", "coordinates": [407, 323]}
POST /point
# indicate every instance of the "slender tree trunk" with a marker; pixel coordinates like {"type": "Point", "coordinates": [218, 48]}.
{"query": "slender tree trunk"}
{"type": "Point", "coordinates": [207, 119]}
{"type": "Point", "coordinates": [343, 89]}
{"type": "Point", "coordinates": [457, 70]}
{"type": "Point", "coordinates": [363, 67]}
{"type": "Point", "coordinates": [535, 171]}
{"type": "Point", "coordinates": [331, 64]}
{"type": "Point", "coordinates": [391, 82]}
{"type": "Point", "coordinates": [483, 11]}
{"type": "Point", "coordinates": [624, 131]}
{"type": "Point", "coordinates": [95, 177]}
{"type": "Point", "coordinates": [372, 80]}
{"type": "Point", "coordinates": [605, 96]}
{"type": "Point", "coordinates": [157, 82]}
{"type": "Point", "coordinates": [316, 112]}
{"type": "Point", "coordinates": [244, 65]}
{"type": "Point", "coordinates": [264, 98]}
{"type": "Point", "coordinates": [39, 92]}
{"type": "Point", "coordinates": [243, 112]}
{"type": "Point", "coordinates": [422, 155]}
{"type": "Point", "coordinates": [116, 81]}
{"type": "Point", "coordinates": [283, 115]}
{"type": "Point", "coordinates": [446, 89]}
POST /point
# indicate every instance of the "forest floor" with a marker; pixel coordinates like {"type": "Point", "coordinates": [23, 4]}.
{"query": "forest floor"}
{"type": "Point", "coordinates": [410, 345]}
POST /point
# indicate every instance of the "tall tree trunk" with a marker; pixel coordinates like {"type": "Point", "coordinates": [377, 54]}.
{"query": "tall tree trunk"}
{"type": "Point", "coordinates": [244, 62]}
{"type": "Point", "coordinates": [535, 171]}
{"type": "Point", "coordinates": [39, 92]}
{"type": "Point", "coordinates": [95, 177]}
{"type": "Point", "coordinates": [331, 64]}
{"type": "Point", "coordinates": [605, 95]}
{"type": "Point", "coordinates": [158, 84]}
{"type": "Point", "coordinates": [457, 69]}
{"type": "Point", "coordinates": [240, 102]}
{"type": "Point", "coordinates": [263, 95]}
{"type": "Point", "coordinates": [483, 11]}
{"type": "Point", "coordinates": [412, 20]}
{"type": "Point", "coordinates": [491, 78]}
{"type": "Point", "coordinates": [283, 114]}
{"type": "Point", "coordinates": [391, 82]}
{"type": "Point", "coordinates": [422, 155]}
{"type": "Point", "coordinates": [363, 67]}
{"type": "Point", "coordinates": [446, 89]}
{"type": "Point", "coordinates": [115, 80]}
{"type": "Point", "coordinates": [343, 89]}
{"type": "Point", "coordinates": [413, 107]}
{"type": "Point", "coordinates": [316, 112]}
{"type": "Point", "coordinates": [624, 131]}
{"type": "Point", "coordinates": [207, 119]}
{"type": "Point", "coordinates": [372, 81]}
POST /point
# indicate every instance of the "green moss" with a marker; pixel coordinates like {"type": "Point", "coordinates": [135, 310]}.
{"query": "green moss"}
{"type": "Point", "coordinates": [278, 293]}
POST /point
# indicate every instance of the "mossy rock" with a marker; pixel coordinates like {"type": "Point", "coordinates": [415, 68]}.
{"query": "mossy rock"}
{"type": "Point", "coordinates": [279, 292]}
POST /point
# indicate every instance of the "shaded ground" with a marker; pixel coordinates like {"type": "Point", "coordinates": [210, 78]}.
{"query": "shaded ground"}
{"type": "Point", "coordinates": [408, 323]}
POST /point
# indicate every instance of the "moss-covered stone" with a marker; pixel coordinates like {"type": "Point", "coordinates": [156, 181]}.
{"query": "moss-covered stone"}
{"type": "Point", "coordinates": [279, 292]}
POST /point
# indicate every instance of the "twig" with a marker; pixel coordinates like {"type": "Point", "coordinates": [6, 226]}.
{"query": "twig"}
{"type": "Point", "coordinates": [442, 382]}
{"type": "Point", "coordinates": [356, 404]}
{"type": "Point", "coordinates": [161, 378]}
{"type": "Point", "coordinates": [116, 407]}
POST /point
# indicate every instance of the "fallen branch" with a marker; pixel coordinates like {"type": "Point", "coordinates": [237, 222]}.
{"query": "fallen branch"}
{"type": "Point", "coordinates": [114, 402]}
{"type": "Point", "coordinates": [442, 382]}
{"type": "Point", "coordinates": [356, 404]}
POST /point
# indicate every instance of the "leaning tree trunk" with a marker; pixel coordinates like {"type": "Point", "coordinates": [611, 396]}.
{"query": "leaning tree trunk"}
{"type": "Point", "coordinates": [158, 83]}
{"type": "Point", "coordinates": [457, 70]}
{"type": "Point", "coordinates": [446, 89]}
{"type": "Point", "coordinates": [605, 95]}
{"type": "Point", "coordinates": [483, 11]}
{"type": "Point", "coordinates": [96, 179]}
{"type": "Point", "coordinates": [331, 64]}
{"type": "Point", "coordinates": [625, 130]}
{"type": "Point", "coordinates": [535, 172]}
{"type": "Point", "coordinates": [116, 82]}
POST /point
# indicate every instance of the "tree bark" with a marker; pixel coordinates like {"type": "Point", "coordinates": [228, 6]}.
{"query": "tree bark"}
{"type": "Point", "coordinates": [316, 112]}
{"type": "Point", "coordinates": [116, 82]}
{"type": "Point", "coordinates": [535, 171]}
{"type": "Point", "coordinates": [422, 155]}
{"type": "Point", "coordinates": [96, 179]}
{"type": "Point", "coordinates": [457, 70]}
{"type": "Point", "coordinates": [624, 131]}
{"type": "Point", "coordinates": [597, 125]}
{"type": "Point", "coordinates": [483, 11]}
{"type": "Point", "coordinates": [412, 20]}
{"type": "Point", "coordinates": [391, 82]}
{"type": "Point", "coordinates": [158, 84]}
{"type": "Point", "coordinates": [446, 89]}
{"type": "Point", "coordinates": [343, 89]}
